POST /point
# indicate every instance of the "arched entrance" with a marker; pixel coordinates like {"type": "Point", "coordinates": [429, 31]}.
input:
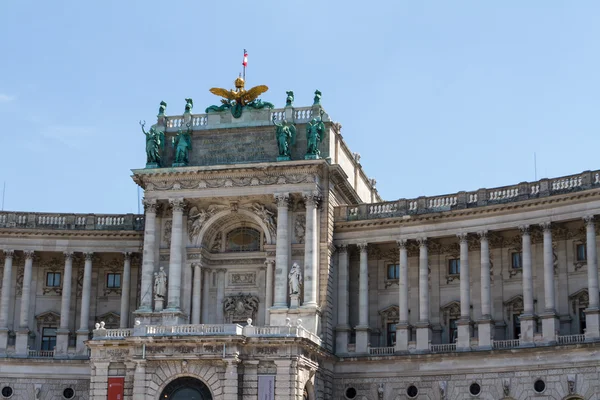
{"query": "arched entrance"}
{"type": "Point", "coordinates": [186, 388]}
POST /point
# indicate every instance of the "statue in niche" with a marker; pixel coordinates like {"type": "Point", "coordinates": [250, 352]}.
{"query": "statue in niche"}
{"type": "Point", "coordinates": [189, 104]}
{"type": "Point", "coordinates": [317, 99]}
{"type": "Point", "coordinates": [267, 216]}
{"type": "Point", "coordinates": [160, 283]}
{"type": "Point", "coordinates": [182, 143]}
{"type": "Point", "coordinates": [315, 131]}
{"type": "Point", "coordinates": [295, 279]}
{"type": "Point", "coordinates": [155, 140]}
{"type": "Point", "coordinates": [162, 108]}
{"type": "Point", "coordinates": [289, 100]}
{"type": "Point", "coordinates": [286, 137]}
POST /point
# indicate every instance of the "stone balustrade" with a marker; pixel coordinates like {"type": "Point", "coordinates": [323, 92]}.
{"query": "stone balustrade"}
{"type": "Point", "coordinates": [506, 344]}
{"type": "Point", "coordinates": [40, 353]}
{"type": "Point", "coordinates": [479, 198]}
{"type": "Point", "coordinates": [442, 348]}
{"type": "Point", "coordinates": [571, 339]}
{"type": "Point", "coordinates": [21, 220]}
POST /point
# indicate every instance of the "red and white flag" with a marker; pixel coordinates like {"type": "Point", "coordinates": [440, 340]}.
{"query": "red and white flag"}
{"type": "Point", "coordinates": [245, 62]}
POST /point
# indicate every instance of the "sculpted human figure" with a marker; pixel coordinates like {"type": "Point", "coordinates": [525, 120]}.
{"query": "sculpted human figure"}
{"type": "Point", "coordinates": [295, 279]}
{"type": "Point", "coordinates": [160, 283]}
{"type": "Point", "coordinates": [182, 143]}
{"type": "Point", "coordinates": [162, 108]}
{"type": "Point", "coordinates": [317, 99]}
{"type": "Point", "coordinates": [267, 216]}
{"type": "Point", "coordinates": [289, 100]}
{"type": "Point", "coordinates": [189, 104]}
{"type": "Point", "coordinates": [286, 136]}
{"type": "Point", "coordinates": [154, 143]}
{"type": "Point", "coordinates": [315, 131]}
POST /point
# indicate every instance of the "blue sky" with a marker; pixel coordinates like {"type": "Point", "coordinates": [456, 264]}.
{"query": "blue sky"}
{"type": "Point", "coordinates": [436, 96]}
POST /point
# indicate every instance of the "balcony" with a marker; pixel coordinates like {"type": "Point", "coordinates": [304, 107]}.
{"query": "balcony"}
{"type": "Point", "coordinates": [40, 353]}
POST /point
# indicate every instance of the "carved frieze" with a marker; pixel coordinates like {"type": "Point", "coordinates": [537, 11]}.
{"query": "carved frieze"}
{"type": "Point", "coordinates": [242, 278]}
{"type": "Point", "coordinates": [240, 307]}
{"type": "Point", "coordinates": [263, 180]}
{"type": "Point", "coordinates": [300, 228]}
{"type": "Point", "coordinates": [197, 217]}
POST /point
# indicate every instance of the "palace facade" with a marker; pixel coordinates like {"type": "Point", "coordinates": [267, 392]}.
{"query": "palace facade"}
{"type": "Point", "coordinates": [266, 266]}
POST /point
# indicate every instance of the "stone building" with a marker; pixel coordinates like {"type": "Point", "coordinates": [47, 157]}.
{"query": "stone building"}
{"type": "Point", "coordinates": [261, 270]}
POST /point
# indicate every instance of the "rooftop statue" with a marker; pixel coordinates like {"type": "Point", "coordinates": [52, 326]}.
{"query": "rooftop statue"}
{"type": "Point", "coordinates": [315, 131]}
{"type": "Point", "coordinates": [189, 104]}
{"type": "Point", "coordinates": [289, 100]}
{"type": "Point", "coordinates": [239, 98]}
{"type": "Point", "coordinates": [155, 141]}
{"type": "Point", "coordinates": [286, 137]}
{"type": "Point", "coordinates": [162, 108]}
{"type": "Point", "coordinates": [182, 143]}
{"type": "Point", "coordinates": [317, 99]}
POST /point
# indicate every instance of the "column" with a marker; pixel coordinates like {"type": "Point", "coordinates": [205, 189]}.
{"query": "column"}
{"type": "Point", "coordinates": [464, 323]}
{"type": "Point", "coordinates": [362, 329]}
{"type": "Point", "coordinates": [423, 327]}
{"type": "Point", "coordinates": [23, 331]}
{"type": "Point", "coordinates": [592, 313]}
{"type": "Point", "coordinates": [282, 250]}
{"type": "Point", "coordinates": [125, 291]}
{"type": "Point", "coordinates": [196, 293]}
{"type": "Point", "coordinates": [220, 295]}
{"type": "Point", "coordinates": [231, 381]}
{"type": "Point", "coordinates": [528, 318]}
{"type": "Point", "coordinates": [62, 333]}
{"type": "Point", "coordinates": [485, 325]}
{"type": "Point", "coordinates": [311, 263]}
{"type": "Point", "coordinates": [175, 259]}
{"type": "Point", "coordinates": [148, 255]}
{"type": "Point", "coordinates": [99, 381]}
{"type": "Point", "coordinates": [139, 380]}
{"type": "Point", "coordinates": [342, 329]}
{"type": "Point", "coordinates": [86, 292]}
{"type": "Point", "coordinates": [5, 299]}
{"type": "Point", "coordinates": [403, 328]}
{"type": "Point", "coordinates": [270, 262]}
{"type": "Point", "coordinates": [205, 298]}
{"type": "Point", "coordinates": [550, 323]}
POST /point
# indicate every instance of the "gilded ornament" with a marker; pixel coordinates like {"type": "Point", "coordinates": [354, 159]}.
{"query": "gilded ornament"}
{"type": "Point", "coordinates": [238, 99]}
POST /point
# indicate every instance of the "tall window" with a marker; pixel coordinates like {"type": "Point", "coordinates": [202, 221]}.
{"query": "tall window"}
{"type": "Point", "coordinates": [243, 239]}
{"type": "Point", "coordinates": [391, 334]}
{"type": "Point", "coordinates": [517, 260]}
{"type": "Point", "coordinates": [454, 266]}
{"type": "Point", "coordinates": [48, 338]}
{"type": "Point", "coordinates": [452, 330]}
{"type": "Point", "coordinates": [53, 279]}
{"type": "Point", "coordinates": [516, 326]}
{"type": "Point", "coordinates": [582, 324]}
{"type": "Point", "coordinates": [393, 271]}
{"type": "Point", "coordinates": [113, 281]}
{"type": "Point", "coordinates": [581, 252]}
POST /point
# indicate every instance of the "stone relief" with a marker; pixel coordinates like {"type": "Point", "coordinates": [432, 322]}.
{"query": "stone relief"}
{"type": "Point", "coordinates": [242, 279]}
{"type": "Point", "coordinates": [232, 182]}
{"type": "Point", "coordinates": [267, 216]}
{"type": "Point", "coordinates": [167, 232]}
{"type": "Point", "coordinates": [506, 387]}
{"type": "Point", "coordinates": [300, 228]}
{"type": "Point", "coordinates": [19, 288]}
{"type": "Point", "coordinates": [197, 218]}
{"type": "Point", "coordinates": [217, 243]}
{"type": "Point", "coordinates": [240, 307]}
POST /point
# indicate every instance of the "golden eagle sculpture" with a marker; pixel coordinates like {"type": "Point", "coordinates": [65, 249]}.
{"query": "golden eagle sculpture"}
{"type": "Point", "coordinates": [238, 99]}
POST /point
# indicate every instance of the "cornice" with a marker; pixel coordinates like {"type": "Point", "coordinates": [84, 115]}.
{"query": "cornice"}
{"type": "Point", "coordinates": [24, 233]}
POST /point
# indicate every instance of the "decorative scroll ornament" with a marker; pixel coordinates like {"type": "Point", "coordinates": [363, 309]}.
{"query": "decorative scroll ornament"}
{"type": "Point", "coordinates": [240, 307]}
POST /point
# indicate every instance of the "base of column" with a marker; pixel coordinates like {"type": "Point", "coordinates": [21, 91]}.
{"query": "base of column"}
{"type": "Point", "coordinates": [485, 329]}
{"type": "Point", "coordinates": [82, 336]}
{"type": "Point", "coordinates": [592, 324]}
{"type": "Point", "coordinates": [423, 336]}
{"type": "Point", "coordinates": [527, 330]}
{"type": "Point", "coordinates": [22, 342]}
{"type": "Point", "coordinates": [463, 330]}
{"type": "Point", "coordinates": [550, 327]}
{"type": "Point", "coordinates": [362, 338]}
{"type": "Point", "coordinates": [342, 333]}
{"type": "Point", "coordinates": [402, 336]}
{"type": "Point", "coordinates": [144, 309]}
{"type": "Point", "coordinates": [61, 350]}
{"type": "Point", "coordinates": [3, 341]}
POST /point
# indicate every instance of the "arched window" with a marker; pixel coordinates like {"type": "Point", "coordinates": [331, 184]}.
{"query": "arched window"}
{"type": "Point", "coordinates": [243, 239]}
{"type": "Point", "coordinates": [186, 388]}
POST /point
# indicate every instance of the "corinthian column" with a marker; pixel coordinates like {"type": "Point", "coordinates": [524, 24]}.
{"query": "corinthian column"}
{"type": "Point", "coordinates": [528, 318]}
{"type": "Point", "coordinates": [62, 333]}
{"type": "Point", "coordinates": [362, 329]}
{"type": "Point", "coordinates": [485, 324]}
{"type": "Point", "coordinates": [282, 251]}
{"type": "Point", "coordinates": [464, 324]}
{"type": "Point", "coordinates": [125, 290]}
{"type": "Point", "coordinates": [83, 332]}
{"type": "Point", "coordinates": [550, 323]}
{"type": "Point", "coordinates": [402, 329]}
{"type": "Point", "coordinates": [5, 299]}
{"type": "Point", "coordinates": [423, 327]}
{"type": "Point", "coordinates": [343, 324]}
{"type": "Point", "coordinates": [311, 263]}
{"type": "Point", "coordinates": [592, 313]}
{"type": "Point", "coordinates": [148, 255]}
{"type": "Point", "coordinates": [23, 331]}
{"type": "Point", "coordinates": [175, 260]}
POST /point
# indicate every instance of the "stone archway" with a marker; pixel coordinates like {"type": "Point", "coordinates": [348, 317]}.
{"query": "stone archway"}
{"type": "Point", "coordinates": [186, 388]}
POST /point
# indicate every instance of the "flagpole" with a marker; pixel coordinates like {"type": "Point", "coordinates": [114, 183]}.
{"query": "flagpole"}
{"type": "Point", "coordinates": [244, 64]}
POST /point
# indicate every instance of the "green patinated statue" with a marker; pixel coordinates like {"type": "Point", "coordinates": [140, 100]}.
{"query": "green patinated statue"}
{"type": "Point", "coordinates": [286, 137]}
{"type": "Point", "coordinates": [226, 104]}
{"type": "Point", "coordinates": [155, 140]}
{"type": "Point", "coordinates": [183, 144]}
{"type": "Point", "coordinates": [258, 104]}
{"type": "Point", "coordinates": [289, 100]}
{"type": "Point", "coordinates": [317, 100]}
{"type": "Point", "coordinates": [315, 131]}
{"type": "Point", "coordinates": [162, 108]}
{"type": "Point", "coordinates": [189, 104]}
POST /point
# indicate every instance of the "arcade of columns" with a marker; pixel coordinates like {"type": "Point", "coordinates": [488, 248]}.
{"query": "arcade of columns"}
{"type": "Point", "coordinates": [485, 324]}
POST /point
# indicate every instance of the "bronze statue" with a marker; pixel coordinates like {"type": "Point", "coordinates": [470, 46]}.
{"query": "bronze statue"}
{"type": "Point", "coordinates": [315, 131]}
{"type": "Point", "coordinates": [189, 104]}
{"type": "Point", "coordinates": [289, 100]}
{"type": "Point", "coordinates": [286, 137]}
{"type": "Point", "coordinates": [155, 140]}
{"type": "Point", "coordinates": [182, 143]}
{"type": "Point", "coordinates": [162, 108]}
{"type": "Point", "coordinates": [238, 98]}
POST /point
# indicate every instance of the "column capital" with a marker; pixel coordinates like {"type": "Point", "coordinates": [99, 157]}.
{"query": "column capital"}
{"type": "Point", "coordinates": [88, 255]}
{"type": "Point", "coordinates": [546, 226]}
{"type": "Point", "coordinates": [221, 270]}
{"type": "Point", "coordinates": [196, 264]}
{"type": "Point", "coordinates": [9, 254]}
{"type": "Point", "coordinates": [401, 243]}
{"type": "Point", "coordinates": [270, 261]}
{"type": "Point", "coordinates": [312, 198]}
{"type": "Point", "coordinates": [282, 199]}
{"type": "Point", "coordinates": [127, 255]}
{"type": "Point", "coordinates": [589, 220]}
{"type": "Point", "coordinates": [29, 254]}
{"type": "Point", "coordinates": [362, 247]}
{"type": "Point", "coordinates": [150, 205]}
{"type": "Point", "coordinates": [524, 230]}
{"type": "Point", "coordinates": [342, 248]}
{"type": "Point", "coordinates": [483, 235]}
{"type": "Point", "coordinates": [69, 255]}
{"type": "Point", "coordinates": [177, 204]}
{"type": "Point", "coordinates": [422, 241]}
{"type": "Point", "coordinates": [462, 237]}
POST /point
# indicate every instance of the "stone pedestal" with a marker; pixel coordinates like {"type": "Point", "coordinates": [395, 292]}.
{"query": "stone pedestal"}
{"type": "Point", "coordinates": [341, 339]}
{"type": "Point", "coordinates": [82, 336]}
{"type": "Point", "coordinates": [485, 327]}
{"type": "Point", "coordinates": [166, 318]}
{"type": "Point", "coordinates": [402, 337]}
{"type": "Point", "coordinates": [527, 330]}
{"type": "Point", "coordinates": [550, 327]}
{"type": "Point", "coordinates": [311, 318]}
{"type": "Point", "coordinates": [22, 342]}
{"type": "Point", "coordinates": [3, 341]}
{"type": "Point", "coordinates": [294, 301]}
{"type": "Point", "coordinates": [423, 336]}
{"type": "Point", "coordinates": [278, 316]}
{"type": "Point", "coordinates": [159, 304]}
{"type": "Point", "coordinates": [62, 343]}
{"type": "Point", "coordinates": [362, 339]}
{"type": "Point", "coordinates": [463, 330]}
{"type": "Point", "coordinates": [592, 324]}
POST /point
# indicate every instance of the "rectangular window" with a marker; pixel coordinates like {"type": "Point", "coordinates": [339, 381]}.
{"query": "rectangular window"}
{"type": "Point", "coordinates": [393, 271]}
{"type": "Point", "coordinates": [48, 338]}
{"type": "Point", "coordinates": [454, 266]}
{"type": "Point", "coordinates": [53, 279]}
{"type": "Point", "coordinates": [581, 252]}
{"type": "Point", "coordinates": [452, 331]}
{"type": "Point", "coordinates": [517, 260]}
{"type": "Point", "coordinates": [391, 334]}
{"type": "Point", "coordinates": [113, 281]}
{"type": "Point", "coordinates": [516, 326]}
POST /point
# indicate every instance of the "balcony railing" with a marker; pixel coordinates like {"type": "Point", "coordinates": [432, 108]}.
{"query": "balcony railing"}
{"type": "Point", "coordinates": [442, 348]}
{"type": "Point", "coordinates": [571, 339]}
{"type": "Point", "coordinates": [118, 333]}
{"type": "Point", "coordinates": [40, 353]}
{"type": "Point", "coordinates": [102, 222]}
{"type": "Point", "coordinates": [382, 351]}
{"type": "Point", "coordinates": [506, 344]}
{"type": "Point", "coordinates": [461, 200]}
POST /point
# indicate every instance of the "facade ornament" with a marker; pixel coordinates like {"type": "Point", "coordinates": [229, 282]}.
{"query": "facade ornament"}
{"type": "Point", "coordinates": [524, 229]}
{"type": "Point", "coordinates": [506, 387]}
{"type": "Point", "coordinates": [160, 284]}
{"type": "Point", "coordinates": [462, 237]}
{"type": "Point", "coordinates": [315, 132]}
{"type": "Point", "coordinates": [380, 391]}
{"type": "Point", "coordinates": [571, 381]}
{"type": "Point", "coordinates": [342, 248]}
{"type": "Point", "coordinates": [422, 242]}
{"type": "Point", "coordinates": [240, 307]}
{"type": "Point", "coordinates": [155, 142]}
{"type": "Point", "coordinates": [300, 228]}
{"type": "Point", "coordinates": [8, 254]}
{"type": "Point", "coordinates": [317, 98]}
{"type": "Point", "coordinates": [546, 226]}
{"type": "Point", "coordinates": [240, 98]}
{"type": "Point", "coordinates": [20, 275]}
{"type": "Point", "coordinates": [295, 279]}
{"type": "Point", "coordinates": [285, 134]}
{"type": "Point", "coordinates": [443, 386]}
{"type": "Point", "coordinates": [167, 232]}
{"type": "Point", "coordinates": [267, 216]}
{"type": "Point", "coordinates": [182, 143]}
{"type": "Point", "coordinates": [189, 104]}
{"type": "Point", "coordinates": [588, 219]}
{"type": "Point", "coordinates": [162, 108]}
{"type": "Point", "coordinates": [217, 243]}
{"type": "Point", "coordinates": [362, 247]}
{"type": "Point", "coordinates": [197, 218]}
{"type": "Point", "coordinates": [282, 199]}
{"type": "Point", "coordinates": [150, 205]}
{"type": "Point", "coordinates": [289, 100]}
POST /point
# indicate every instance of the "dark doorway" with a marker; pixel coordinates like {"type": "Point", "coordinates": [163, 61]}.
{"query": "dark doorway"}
{"type": "Point", "coordinates": [186, 389]}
